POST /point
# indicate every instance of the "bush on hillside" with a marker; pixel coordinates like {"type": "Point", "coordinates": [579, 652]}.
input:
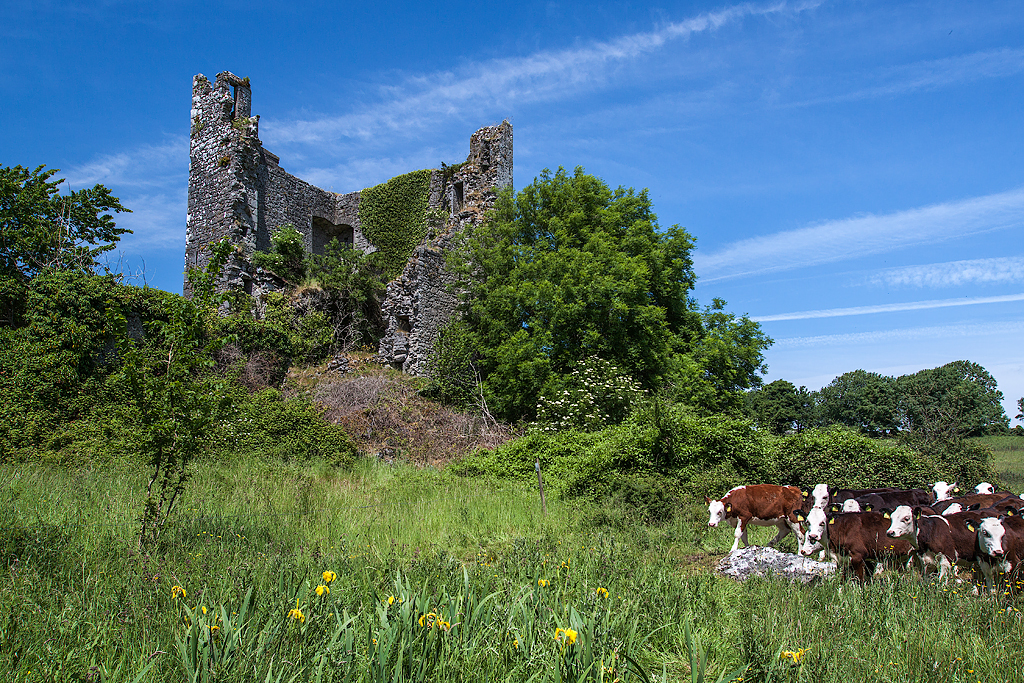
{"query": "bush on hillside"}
{"type": "Point", "coordinates": [707, 455]}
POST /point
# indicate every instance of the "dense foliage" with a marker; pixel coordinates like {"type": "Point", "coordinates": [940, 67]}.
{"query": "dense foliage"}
{"type": "Point", "coordinates": [41, 229]}
{"type": "Point", "coordinates": [568, 269]}
{"type": "Point", "coordinates": [393, 216]}
{"type": "Point", "coordinates": [670, 452]}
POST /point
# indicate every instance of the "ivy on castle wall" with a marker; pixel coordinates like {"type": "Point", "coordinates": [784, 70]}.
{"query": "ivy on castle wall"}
{"type": "Point", "coordinates": [394, 218]}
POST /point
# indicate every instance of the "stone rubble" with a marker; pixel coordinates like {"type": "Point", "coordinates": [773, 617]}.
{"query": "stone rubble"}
{"type": "Point", "coordinates": [763, 561]}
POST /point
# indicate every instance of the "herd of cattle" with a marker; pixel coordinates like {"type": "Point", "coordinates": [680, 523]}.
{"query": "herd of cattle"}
{"type": "Point", "coordinates": [941, 529]}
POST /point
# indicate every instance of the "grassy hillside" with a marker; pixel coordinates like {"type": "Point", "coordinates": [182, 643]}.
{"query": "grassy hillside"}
{"type": "Point", "coordinates": [78, 600]}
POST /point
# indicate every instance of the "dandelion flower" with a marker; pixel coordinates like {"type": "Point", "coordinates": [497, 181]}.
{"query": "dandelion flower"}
{"type": "Point", "coordinates": [602, 592]}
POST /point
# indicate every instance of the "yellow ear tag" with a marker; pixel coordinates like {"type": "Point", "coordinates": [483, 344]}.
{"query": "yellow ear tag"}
{"type": "Point", "coordinates": [832, 520]}
{"type": "Point", "coordinates": [886, 515]}
{"type": "Point", "coordinates": [804, 494]}
{"type": "Point", "coordinates": [971, 526]}
{"type": "Point", "coordinates": [869, 507]}
{"type": "Point", "coordinates": [728, 508]}
{"type": "Point", "coordinates": [1010, 512]}
{"type": "Point", "coordinates": [799, 518]}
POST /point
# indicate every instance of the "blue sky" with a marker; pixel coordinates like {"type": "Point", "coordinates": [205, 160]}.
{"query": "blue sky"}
{"type": "Point", "coordinates": [852, 170]}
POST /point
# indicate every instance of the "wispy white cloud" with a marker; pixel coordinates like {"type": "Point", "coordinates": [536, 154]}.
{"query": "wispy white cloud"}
{"type": "Point", "coordinates": [932, 75]}
{"type": "Point", "coordinates": [152, 181]}
{"type": "Point", "coordinates": [146, 166]}
{"type": "Point", "coordinates": [889, 308]}
{"type": "Point", "coordinates": [904, 334]}
{"type": "Point", "coordinates": [1008, 269]}
{"type": "Point", "coordinates": [850, 238]}
{"type": "Point", "coordinates": [500, 84]}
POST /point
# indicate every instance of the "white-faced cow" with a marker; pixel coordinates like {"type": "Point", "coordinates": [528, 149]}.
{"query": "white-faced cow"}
{"type": "Point", "coordinates": [984, 487]}
{"type": "Point", "coordinates": [944, 491]}
{"type": "Point", "coordinates": [930, 535]}
{"type": "Point", "coordinates": [857, 537]}
{"type": "Point", "coordinates": [760, 505]}
{"type": "Point", "coordinates": [982, 500]}
{"type": "Point", "coordinates": [1000, 545]}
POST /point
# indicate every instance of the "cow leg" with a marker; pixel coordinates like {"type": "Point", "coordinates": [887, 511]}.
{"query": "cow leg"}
{"type": "Point", "coordinates": [945, 567]}
{"type": "Point", "coordinates": [783, 532]}
{"type": "Point", "coordinates": [741, 532]}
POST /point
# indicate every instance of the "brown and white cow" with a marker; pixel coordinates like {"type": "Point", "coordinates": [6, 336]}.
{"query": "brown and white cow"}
{"type": "Point", "coordinates": [857, 537]}
{"type": "Point", "coordinates": [1000, 546]}
{"type": "Point", "coordinates": [760, 505]}
{"type": "Point", "coordinates": [931, 536]}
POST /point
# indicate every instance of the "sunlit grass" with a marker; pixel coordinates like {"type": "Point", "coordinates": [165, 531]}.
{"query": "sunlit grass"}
{"type": "Point", "coordinates": [76, 597]}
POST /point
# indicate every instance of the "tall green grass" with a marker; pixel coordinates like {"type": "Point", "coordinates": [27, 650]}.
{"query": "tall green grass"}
{"type": "Point", "coordinates": [252, 540]}
{"type": "Point", "coordinates": [1008, 459]}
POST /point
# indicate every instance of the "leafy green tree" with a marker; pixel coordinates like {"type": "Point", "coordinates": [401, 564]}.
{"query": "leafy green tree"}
{"type": "Point", "coordinates": [952, 401]}
{"type": "Point", "coordinates": [287, 255]}
{"type": "Point", "coordinates": [860, 399]}
{"type": "Point", "coordinates": [568, 269]}
{"type": "Point", "coordinates": [354, 285]}
{"type": "Point", "coordinates": [779, 407]}
{"type": "Point", "coordinates": [176, 398]}
{"type": "Point", "coordinates": [42, 229]}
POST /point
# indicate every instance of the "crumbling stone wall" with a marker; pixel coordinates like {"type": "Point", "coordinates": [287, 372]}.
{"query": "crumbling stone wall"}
{"type": "Point", "coordinates": [239, 191]}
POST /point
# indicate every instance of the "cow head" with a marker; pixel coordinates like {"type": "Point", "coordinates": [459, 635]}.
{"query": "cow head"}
{"type": "Point", "coordinates": [984, 487]}
{"type": "Point", "coordinates": [716, 510]}
{"type": "Point", "coordinates": [817, 533]}
{"type": "Point", "coordinates": [851, 505]}
{"type": "Point", "coordinates": [953, 509]}
{"type": "Point", "coordinates": [991, 535]}
{"type": "Point", "coordinates": [901, 521]}
{"type": "Point", "coordinates": [819, 495]}
{"type": "Point", "coordinates": [944, 491]}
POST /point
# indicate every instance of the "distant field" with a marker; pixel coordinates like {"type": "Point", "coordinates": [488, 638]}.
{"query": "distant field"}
{"type": "Point", "coordinates": [1009, 459]}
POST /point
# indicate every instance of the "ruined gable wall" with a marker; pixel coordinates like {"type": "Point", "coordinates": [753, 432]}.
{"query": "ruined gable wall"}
{"type": "Point", "coordinates": [421, 301]}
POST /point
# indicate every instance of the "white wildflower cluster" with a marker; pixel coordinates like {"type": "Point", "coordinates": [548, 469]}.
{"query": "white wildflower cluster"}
{"type": "Point", "coordinates": [595, 395]}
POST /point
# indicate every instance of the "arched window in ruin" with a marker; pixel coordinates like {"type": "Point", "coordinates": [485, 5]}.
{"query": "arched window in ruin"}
{"type": "Point", "coordinates": [324, 231]}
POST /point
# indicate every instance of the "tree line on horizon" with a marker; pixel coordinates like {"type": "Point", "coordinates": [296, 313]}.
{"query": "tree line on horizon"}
{"type": "Point", "coordinates": [956, 400]}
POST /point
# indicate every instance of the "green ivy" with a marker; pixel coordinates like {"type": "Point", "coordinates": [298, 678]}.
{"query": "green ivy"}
{"type": "Point", "coordinates": [393, 217]}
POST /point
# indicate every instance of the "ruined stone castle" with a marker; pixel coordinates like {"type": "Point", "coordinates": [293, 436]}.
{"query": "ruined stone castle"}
{"type": "Point", "coordinates": [239, 191]}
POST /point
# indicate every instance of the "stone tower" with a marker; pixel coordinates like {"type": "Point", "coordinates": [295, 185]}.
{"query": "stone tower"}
{"type": "Point", "coordinates": [238, 190]}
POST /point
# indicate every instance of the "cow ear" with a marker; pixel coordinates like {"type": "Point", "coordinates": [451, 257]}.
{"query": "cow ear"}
{"type": "Point", "coordinates": [728, 507]}
{"type": "Point", "coordinates": [886, 513]}
{"type": "Point", "coordinates": [970, 525]}
{"type": "Point", "coordinates": [831, 520]}
{"type": "Point", "coordinates": [868, 507]}
{"type": "Point", "coordinates": [917, 513]}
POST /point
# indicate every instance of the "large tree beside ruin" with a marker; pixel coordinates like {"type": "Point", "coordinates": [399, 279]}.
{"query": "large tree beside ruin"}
{"type": "Point", "coordinates": [569, 269]}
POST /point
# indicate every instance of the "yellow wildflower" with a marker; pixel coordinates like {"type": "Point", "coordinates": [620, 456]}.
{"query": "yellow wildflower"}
{"type": "Point", "coordinates": [427, 620]}
{"type": "Point", "coordinates": [568, 633]}
{"type": "Point", "coordinates": [329, 576]}
{"type": "Point", "coordinates": [543, 582]}
{"type": "Point", "coordinates": [321, 590]}
{"type": "Point", "coordinates": [297, 614]}
{"type": "Point", "coordinates": [177, 591]}
{"type": "Point", "coordinates": [602, 592]}
{"type": "Point", "coordinates": [391, 599]}
{"type": "Point", "coordinates": [204, 609]}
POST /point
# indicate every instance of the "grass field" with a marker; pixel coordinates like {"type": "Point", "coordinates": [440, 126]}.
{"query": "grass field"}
{"type": "Point", "coordinates": [1008, 452]}
{"type": "Point", "coordinates": [252, 541]}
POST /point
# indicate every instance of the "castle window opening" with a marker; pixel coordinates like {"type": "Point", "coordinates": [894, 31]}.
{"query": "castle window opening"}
{"type": "Point", "coordinates": [403, 324]}
{"type": "Point", "coordinates": [324, 231]}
